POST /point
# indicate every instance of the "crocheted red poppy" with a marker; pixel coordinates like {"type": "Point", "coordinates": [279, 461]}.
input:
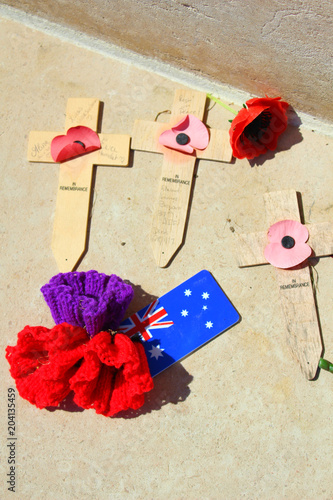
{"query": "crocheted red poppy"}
{"type": "Point", "coordinates": [107, 373]}
{"type": "Point", "coordinates": [113, 376]}
{"type": "Point", "coordinates": [256, 129]}
{"type": "Point", "coordinates": [43, 361]}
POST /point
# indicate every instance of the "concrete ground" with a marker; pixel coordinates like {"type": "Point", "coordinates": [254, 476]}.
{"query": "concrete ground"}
{"type": "Point", "coordinates": [235, 420]}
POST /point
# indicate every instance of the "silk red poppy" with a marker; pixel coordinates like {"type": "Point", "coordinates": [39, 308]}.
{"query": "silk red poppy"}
{"type": "Point", "coordinates": [256, 129]}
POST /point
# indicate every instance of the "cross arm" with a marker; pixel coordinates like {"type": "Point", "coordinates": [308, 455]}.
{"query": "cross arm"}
{"type": "Point", "coordinates": [321, 238]}
{"type": "Point", "coordinates": [250, 247]}
{"type": "Point", "coordinates": [114, 148]}
{"type": "Point", "coordinates": [219, 147]}
{"type": "Point", "coordinates": [281, 205]}
{"type": "Point", "coordinates": [39, 146]}
{"type": "Point", "coordinates": [79, 111]}
{"type": "Point", "coordinates": [145, 138]}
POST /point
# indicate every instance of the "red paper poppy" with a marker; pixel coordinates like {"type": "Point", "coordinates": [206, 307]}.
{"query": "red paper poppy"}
{"type": "Point", "coordinates": [189, 134]}
{"type": "Point", "coordinates": [43, 361]}
{"type": "Point", "coordinates": [287, 247]}
{"type": "Point", "coordinates": [256, 129]}
{"type": "Point", "coordinates": [113, 376]}
{"type": "Point", "coordinates": [78, 141]}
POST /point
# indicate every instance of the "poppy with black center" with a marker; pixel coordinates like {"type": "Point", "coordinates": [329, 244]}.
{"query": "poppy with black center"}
{"type": "Point", "coordinates": [256, 129]}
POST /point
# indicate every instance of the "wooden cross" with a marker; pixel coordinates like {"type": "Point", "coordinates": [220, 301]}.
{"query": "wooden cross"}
{"type": "Point", "coordinates": [295, 284]}
{"type": "Point", "coordinates": [170, 213]}
{"type": "Point", "coordinates": [74, 192]}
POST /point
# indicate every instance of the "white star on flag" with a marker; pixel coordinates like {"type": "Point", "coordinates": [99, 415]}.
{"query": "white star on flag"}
{"type": "Point", "coordinates": [156, 351]}
{"type": "Point", "coordinates": [181, 321]}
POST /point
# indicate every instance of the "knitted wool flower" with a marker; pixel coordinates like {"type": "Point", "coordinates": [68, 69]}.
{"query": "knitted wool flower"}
{"type": "Point", "coordinates": [256, 129]}
{"type": "Point", "coordinates": [113, 376]}
{"type": "Point", "coordinates": [109, 373]}
{"type": "Point", "coordinates": [189, 134]}
{"type": "Point", "coordinates": [88, 299]}
{"type": "Point", "coordinates": [287, 247]}
{"type": "Point", "coordinates": [44, 360]}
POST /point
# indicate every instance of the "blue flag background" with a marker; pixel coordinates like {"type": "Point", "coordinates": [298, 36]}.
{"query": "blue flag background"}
{"type": "Point", "coordinates": [199, 310]}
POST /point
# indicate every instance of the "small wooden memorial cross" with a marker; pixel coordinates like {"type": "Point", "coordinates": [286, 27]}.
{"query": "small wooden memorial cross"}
{"type": "Point", "coordinates": [173, 198]}
{"type": "Point", "coordinates": [75, 178]}
{"type": "Point", "coordinates": [295, 284]}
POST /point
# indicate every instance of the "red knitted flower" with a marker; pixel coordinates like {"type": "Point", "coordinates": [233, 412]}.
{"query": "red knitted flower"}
{"type": "Point", "coordinates": [108, 373]}
{"type": "Point", "coordinates": [113, 376]}
{"type": "Point", "coordinates": [43, 361]}
{"type": "Point", "coordinates": [256, 129]}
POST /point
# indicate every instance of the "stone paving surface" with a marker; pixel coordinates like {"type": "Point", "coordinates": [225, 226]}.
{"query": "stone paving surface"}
{"type": "Point", "coordinates": [236, 419]}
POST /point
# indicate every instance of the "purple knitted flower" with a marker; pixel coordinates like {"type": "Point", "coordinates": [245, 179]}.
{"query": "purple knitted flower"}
{"type": "Point", "coordinates": [92, 300]}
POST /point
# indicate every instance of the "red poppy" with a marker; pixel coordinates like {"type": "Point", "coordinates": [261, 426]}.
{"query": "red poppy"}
{"type": "Point", "coordinates": [113, 376]}
{"type": "Point", "coordinates": [43, 361]}
{"type": "Point", "coordinates": [108, 373]}
{"type": "Point", "coordinates": [189, 134]}
{"type": "Point", "coordinates": [78, 140]}
{"type": "Point", "coordinates": [256, 129]}
{"type": "Point", "coordinates": [287, 247]}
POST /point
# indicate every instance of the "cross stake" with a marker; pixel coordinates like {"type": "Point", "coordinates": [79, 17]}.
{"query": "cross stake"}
{"type": "Point", "coordinates": [295, 284]}
{"type": "Point", "coordinates": [170, 214]}
{"type": "Point", "coordinates": [74, 192]}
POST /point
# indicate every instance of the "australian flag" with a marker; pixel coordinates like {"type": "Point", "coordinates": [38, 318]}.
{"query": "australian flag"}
{"type": "Point", "coordinates": [181, 321]}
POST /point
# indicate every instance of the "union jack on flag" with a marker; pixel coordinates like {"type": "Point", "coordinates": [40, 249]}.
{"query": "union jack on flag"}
{"type": "Point", "coordinates": [200, 311]}
{"type": "Point", "coordinates": [143, 321]}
